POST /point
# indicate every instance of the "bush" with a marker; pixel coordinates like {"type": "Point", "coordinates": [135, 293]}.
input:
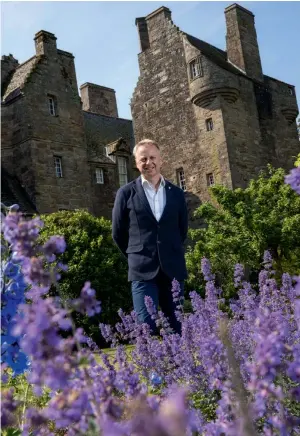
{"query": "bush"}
{"type": "Point", "coordinates": [91, 255]}
{"type": "Point", "coordinates": [243, 224]}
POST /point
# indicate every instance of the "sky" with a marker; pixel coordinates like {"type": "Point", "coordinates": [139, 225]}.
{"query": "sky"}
{"type": "Point", "coordinates": [104, 40]}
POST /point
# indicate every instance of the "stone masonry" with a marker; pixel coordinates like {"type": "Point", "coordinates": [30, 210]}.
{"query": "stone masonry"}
{"type": "Point", "coordinates": [44, 120]}
{"type": "Point", "coordinates": [216, 116]}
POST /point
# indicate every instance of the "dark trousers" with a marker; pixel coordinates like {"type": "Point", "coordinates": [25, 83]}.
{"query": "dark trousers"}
{"type": "Point", "coordinates": [159, 289]}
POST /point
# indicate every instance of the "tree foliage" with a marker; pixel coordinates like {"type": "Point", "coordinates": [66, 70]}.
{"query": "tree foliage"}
{"type": "Point", "coordinates": [245, 223]}
{"type": "Point", "coordinates": [91, 255]}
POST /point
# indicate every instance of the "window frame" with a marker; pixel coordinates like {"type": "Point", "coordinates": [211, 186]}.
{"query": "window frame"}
{"type": "Point", "coordinates": [58, 159]}
{"type": "Point", "coordinates": [197, 63]}
{"type": "Point", "coordinates": [99, 172]}
{"type": "Point", "coordinates": [209, 124]}
{"type": "Point", "coordinates": [123, 174]}
{"type": "Point", "coordinates": [52, 105]}
{"type": "Point", "coordinates": [181, 180]}
{"type": "Point", "coordinates": [208, 179]}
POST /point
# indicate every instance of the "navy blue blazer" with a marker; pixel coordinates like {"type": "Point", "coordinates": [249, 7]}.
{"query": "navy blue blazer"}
{"type": "Point", "coordinates": [149, 244]}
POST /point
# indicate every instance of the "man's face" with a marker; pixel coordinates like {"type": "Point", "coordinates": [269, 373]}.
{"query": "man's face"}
{"type": "Point", "coordinates": [148, 160]}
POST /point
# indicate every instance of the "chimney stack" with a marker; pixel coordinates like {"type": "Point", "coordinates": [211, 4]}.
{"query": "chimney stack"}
{"type": "Point", "coordinates": [99, 99]}
{"type": "Point", "coordinates": [45, 44]}
{"type": "Point", "coordinates": [143, 33]}
{"type": "Point", "coordinates": [241, 41]}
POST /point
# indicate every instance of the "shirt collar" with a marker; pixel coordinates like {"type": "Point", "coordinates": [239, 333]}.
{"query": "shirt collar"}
{"type": "Point", "coordinates": [145, 181]}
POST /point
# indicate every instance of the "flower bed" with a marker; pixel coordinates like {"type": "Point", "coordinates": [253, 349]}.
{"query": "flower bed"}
{"type": "Point", "coordinates": [235, 369]}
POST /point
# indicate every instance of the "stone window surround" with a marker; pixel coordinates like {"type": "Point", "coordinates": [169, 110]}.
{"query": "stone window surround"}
{"type": "Point", "coordinates": [181, 179]}
{"type": "Point", "coordinates": [209, 124]}
{"type": "Point", "coordinates": [110, 156]}
{"type": "Point", "coordinates": [122, 170]}
{"type": "Point", "coordinates": [99, 176]}
{"type": "Point", "coordinates": [210, 179]}
{"type": "Point", "coordinates": [196, 61]}
{"type": "Point", "coordinates": [58, 166]}
{"type": "Point", "coordinates": [52, 105]}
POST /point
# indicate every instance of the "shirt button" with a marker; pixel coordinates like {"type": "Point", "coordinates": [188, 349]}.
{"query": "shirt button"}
{"type": "Point", "coordinates": [158, 242]}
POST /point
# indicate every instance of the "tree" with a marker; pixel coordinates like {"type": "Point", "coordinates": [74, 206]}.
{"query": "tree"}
{"type": "Point", "coordinates": [91, 255]}
{"type": "Point", "coordinates": [245, 223]}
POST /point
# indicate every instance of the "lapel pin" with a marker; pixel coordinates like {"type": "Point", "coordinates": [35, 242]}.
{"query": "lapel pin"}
{"type": "Point", "coordinates": [169, 187]}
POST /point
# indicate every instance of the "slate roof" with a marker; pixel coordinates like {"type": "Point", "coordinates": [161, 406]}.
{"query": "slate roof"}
{"type": "Point", "coordinates": [18, 79]}
{"type": "Point", "coordinates": [103, 130]}
{"type": "Point", "coordinates": [12, 192]}
{"type": "Point", "coordinates": [214, 54]}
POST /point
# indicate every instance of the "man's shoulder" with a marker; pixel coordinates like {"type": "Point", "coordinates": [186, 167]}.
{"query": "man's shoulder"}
{"type": "Point", "coordinates": [174, 187]}
{"type": "Point", "coordinates": [128, 187]}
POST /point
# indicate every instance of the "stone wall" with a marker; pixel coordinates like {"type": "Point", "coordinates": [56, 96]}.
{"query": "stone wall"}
{"type": "Point", "coordinates": [252, 115]}
{"type": "Point", "coordinates": [282, 128]}
{"type": "Point", "coordinates": [16, 153]}
{"type": "Point", "coordinates": [160, 105]}
{"type": "Point", "coordinates": [241, 41]}
{"type": "Point", "coordinates": [61, 135]}
{"type": "Point", "coordinates": [104, 192]}
{"type": "Point", "coordinates": [99, 99]}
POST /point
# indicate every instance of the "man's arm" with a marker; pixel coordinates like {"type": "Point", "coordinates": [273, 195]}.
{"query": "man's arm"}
{"type": "Point", "coordinates": [183, 219]}
{"type": "Point", "coordinates": [120, 222]}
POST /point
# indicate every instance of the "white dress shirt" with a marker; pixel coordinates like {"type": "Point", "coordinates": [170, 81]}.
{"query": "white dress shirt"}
{"type": "Point", "coordinates": [156, 198]}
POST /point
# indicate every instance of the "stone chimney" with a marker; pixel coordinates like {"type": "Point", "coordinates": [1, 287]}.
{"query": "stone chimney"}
{"type": "Point", "coordinates": [157, 22]}
{"type": "Point", "coordinates": [99, 100]}
{"type": "Point", "coordinates": [45, 44]}
{"type": "Point", "coordinates": [142, 27]}
{"type": "Point", "coordinates": [241, 41]}
{"type": "Point", "coordinates": [8, 66]}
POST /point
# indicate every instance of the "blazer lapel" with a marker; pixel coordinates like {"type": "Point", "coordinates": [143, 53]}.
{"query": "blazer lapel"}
{"type": "Point", "coordinates": [141, 193]}
{"type": "Point", "coordinates": [168, 192]}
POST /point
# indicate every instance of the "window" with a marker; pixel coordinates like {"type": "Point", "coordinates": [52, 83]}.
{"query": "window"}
{"type": "Point", "coordinates": [210, 179]}
{"type": "Point", "coordinates": [99, 176]}
{"type": "Point", "coordinates": [122, 168]}
{"type": "Point", "coordinates": [58, 166]}
{"type": "Point", "coordinates": [181, 179]}
{"type": "Point", "coordinates": [209, 124]}
{"type": "Point", "coordinates": [291, 91]}
{"type": "Point", "coordinates": [111, 157]}
{"type": "Point", "coordinates": [52, 105]}
{"type": "Point", "coordinates": [195, 68]}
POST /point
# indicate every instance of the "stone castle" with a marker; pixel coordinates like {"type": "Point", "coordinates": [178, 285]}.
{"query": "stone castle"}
{"type": "Point", "coordinates": [216, 116]}
{"type": "Point", "coordinates": [60, 150]}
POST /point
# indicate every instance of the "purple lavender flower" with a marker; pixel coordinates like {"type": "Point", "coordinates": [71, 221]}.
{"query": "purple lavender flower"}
{"type": "Point", "coordinates": [87, 302]}
{"type": "Point", "coordinates": [238, 274]}
{"type": "Point", "coordinates": [55, 245]}
{"type": "Point", "coordinates": [8, 408]}
{"type": "Point", "coordinates": [206, 270]}
{"type": "Point", "coordinates": [267, 262]}
{"type": "Point", "coordinates": [150, 307]}
{"type": "Point", "coordinates": [293, 179]}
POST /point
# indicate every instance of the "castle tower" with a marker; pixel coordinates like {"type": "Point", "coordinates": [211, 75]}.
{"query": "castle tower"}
{"type": "Point", "coordinates": [217, 118]}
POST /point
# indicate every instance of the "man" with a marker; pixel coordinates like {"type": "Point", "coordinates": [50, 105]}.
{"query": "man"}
{"type": "Point", "coordinates": [149, 225]}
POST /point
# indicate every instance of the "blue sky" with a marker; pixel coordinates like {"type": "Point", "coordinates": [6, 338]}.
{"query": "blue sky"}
{"type": "Point", "coordinates": [104, 40]}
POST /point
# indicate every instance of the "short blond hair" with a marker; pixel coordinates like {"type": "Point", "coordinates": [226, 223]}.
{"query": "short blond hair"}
{"type": "Point", "coordinates": [144, 142]}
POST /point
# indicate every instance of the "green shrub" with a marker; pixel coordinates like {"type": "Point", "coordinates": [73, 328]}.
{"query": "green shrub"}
{"type": "Point", "coordinates": [243, 224]}
{"type": "Point", "coordinates": [91, 255]}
